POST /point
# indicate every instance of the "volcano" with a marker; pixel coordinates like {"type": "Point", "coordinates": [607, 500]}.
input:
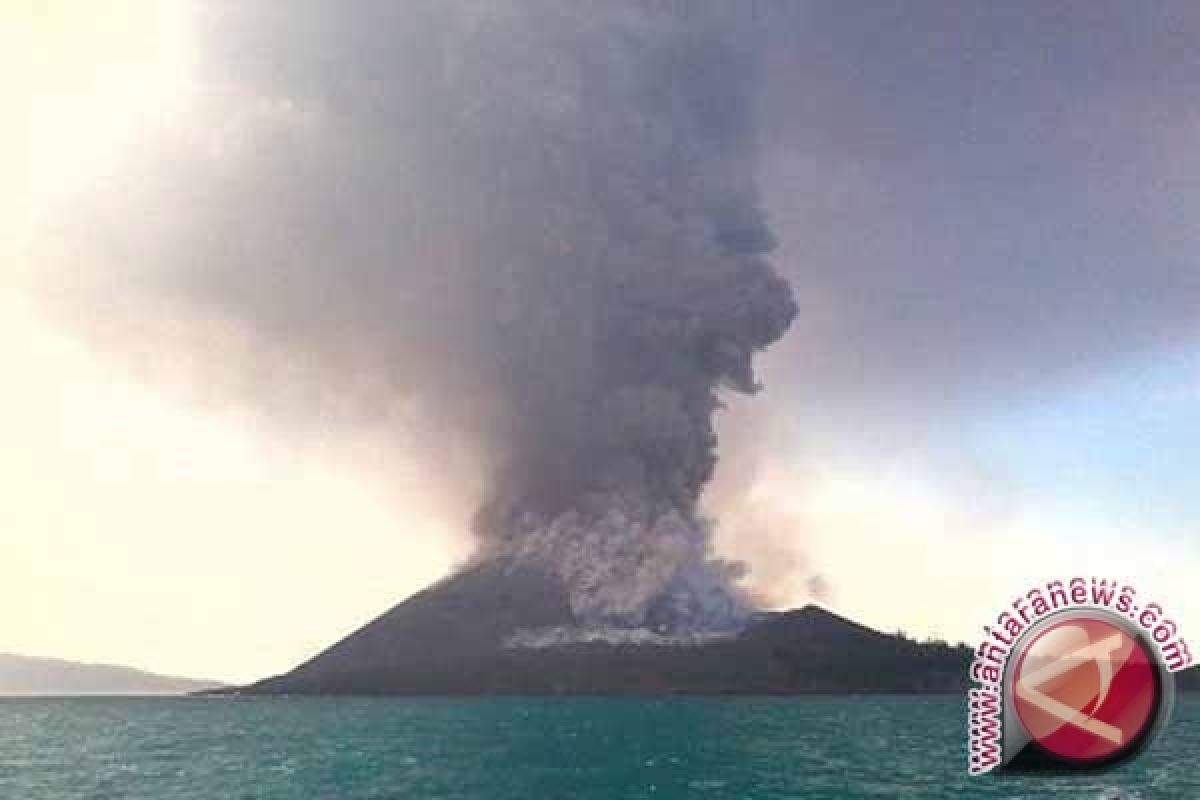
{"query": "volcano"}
{"type": "Point", "coordinates": [507, 628]}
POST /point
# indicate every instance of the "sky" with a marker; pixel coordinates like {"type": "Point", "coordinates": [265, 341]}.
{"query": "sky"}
{"type": "Point", "coordinates": [984, 210]}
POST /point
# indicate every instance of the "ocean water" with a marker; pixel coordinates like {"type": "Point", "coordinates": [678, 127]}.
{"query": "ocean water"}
{"type": "Point", "coordinates": [533, 749]}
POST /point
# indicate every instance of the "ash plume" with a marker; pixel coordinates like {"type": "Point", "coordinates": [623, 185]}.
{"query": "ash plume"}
{"type": "Point", "coordinates": [643, 293]}
{"type": "Point", "coordinates": [534, 225]}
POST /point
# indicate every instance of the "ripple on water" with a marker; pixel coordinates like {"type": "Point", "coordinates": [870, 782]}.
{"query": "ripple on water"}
{"type": "Point", "coordinates": [492, 749]}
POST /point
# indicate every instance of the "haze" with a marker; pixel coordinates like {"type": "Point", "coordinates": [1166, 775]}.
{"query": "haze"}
{"type": "Point", "coordinates": [985, 212]}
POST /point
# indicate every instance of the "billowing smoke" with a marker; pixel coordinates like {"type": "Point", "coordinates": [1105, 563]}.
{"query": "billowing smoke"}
{"type": "Point", "coordinates": [532, 225]}
{"type": "Point", "coordinates": [634, 290]}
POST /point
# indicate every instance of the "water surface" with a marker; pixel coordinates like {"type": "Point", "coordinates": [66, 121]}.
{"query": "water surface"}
{"type": "Point", "coordinates": [533, 749]}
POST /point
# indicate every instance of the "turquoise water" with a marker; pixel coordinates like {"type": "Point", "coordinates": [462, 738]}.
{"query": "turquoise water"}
{"type": "Point", "coordinates": [533, 749]}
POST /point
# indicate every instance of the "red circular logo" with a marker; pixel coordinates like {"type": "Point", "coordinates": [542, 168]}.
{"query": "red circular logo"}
{"type": "Point", "coordinates": [1086, 690]}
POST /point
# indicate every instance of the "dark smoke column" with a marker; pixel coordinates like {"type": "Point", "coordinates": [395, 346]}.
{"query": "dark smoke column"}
{"type": "Point", "coordinates": [523, 230]}
{"type": "Point", "coordinates": [526, 231]}
{"type": "Point", "coordinates": [623, 255]}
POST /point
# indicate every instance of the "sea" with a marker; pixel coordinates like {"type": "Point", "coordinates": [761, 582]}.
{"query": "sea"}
{"type": "Point", "coordinates": [535, 749]}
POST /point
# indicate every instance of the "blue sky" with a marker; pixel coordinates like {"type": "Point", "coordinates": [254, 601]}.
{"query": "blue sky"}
{"type": "Point", "coordinates": [1123, 444]}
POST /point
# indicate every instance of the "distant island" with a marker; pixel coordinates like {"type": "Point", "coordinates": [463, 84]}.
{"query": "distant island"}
{"type": "Point", "coordinates": [24, 676]}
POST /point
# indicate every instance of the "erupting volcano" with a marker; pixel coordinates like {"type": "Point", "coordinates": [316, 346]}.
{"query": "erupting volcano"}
{"type": "Point", "coordinates": [559, 258]}
{"type": "Point", "coordinates": [584, 274]}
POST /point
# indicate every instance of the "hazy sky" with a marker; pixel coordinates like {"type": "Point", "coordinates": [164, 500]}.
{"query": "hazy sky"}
{"type": "Point", "coordinates": [985, 210]}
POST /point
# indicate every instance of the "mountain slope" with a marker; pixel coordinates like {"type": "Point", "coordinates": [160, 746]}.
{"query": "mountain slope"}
{"type": "Point", "coordinates": [25, 675]}
{"type": "Point", "coordinates": [452, 639]}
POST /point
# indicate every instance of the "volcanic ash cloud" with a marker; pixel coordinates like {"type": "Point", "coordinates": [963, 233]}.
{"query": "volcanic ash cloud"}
{"type": "Point", "coordinates": [533, 225]}
{"type": "Point", "coordinates": [628, 255]}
